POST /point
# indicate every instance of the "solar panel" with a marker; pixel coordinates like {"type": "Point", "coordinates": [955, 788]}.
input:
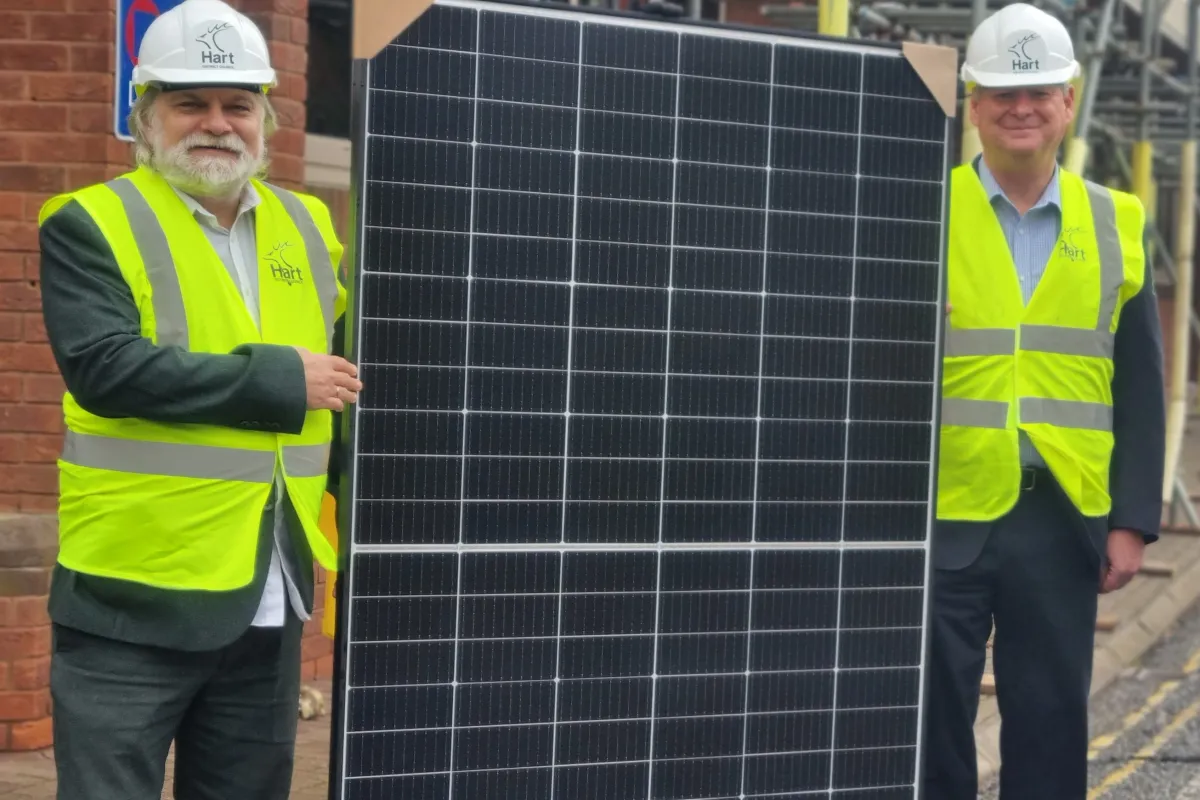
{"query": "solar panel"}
{"type": "Point", "coordinates": [648, 316]}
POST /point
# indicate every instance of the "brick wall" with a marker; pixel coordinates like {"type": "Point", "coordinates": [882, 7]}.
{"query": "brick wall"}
{"type": "Point", "coordinates": [56, 87]}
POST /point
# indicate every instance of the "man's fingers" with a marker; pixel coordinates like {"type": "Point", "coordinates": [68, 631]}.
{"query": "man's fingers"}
{"type": "Point", "coordinates": [344, 381]}
{"type": "Point", "coordinates": [342, 365]}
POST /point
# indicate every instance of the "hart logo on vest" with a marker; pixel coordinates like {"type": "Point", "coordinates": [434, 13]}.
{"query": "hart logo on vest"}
{"type": "Point", "coordinates": [1068, 246]}
{"type": "Point", "coordinates": [1027, 52]}
{"type": "Point", "coordinates": [281, 270]}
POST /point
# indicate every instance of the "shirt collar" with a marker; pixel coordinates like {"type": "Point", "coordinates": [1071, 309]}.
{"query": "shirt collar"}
{"type": "Point", "coordinates": [250, 200]}
{"type": "Point", "coordinates": [1051, 196]}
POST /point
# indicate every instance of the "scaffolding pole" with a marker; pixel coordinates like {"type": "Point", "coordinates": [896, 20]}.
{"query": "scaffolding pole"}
{"type": "Point", "coordinates": [833, 17]}
{"type": "Point", "coordinates": [1077, 147]}
{"type": "Point", "coordinates": [1174, 487]}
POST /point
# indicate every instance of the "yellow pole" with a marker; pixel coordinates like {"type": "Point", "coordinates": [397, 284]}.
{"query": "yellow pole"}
{"type": "Point", "coordinates": [328, 525]}
{"type": "Point", "coordinates": [833, 17]}
{"type": "Point", "coordinates": [1181, 335]}
{"type": "Point", "coordinates": [1143, 183]}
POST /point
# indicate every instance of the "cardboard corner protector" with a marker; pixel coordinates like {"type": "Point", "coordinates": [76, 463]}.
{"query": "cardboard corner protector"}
{"type": "Point", "coordinates": [377, 22]}
{"type": "Point", "coordinates": [937, 66]}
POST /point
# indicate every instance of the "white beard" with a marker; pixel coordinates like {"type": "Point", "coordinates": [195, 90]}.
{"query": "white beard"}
{"type": "Point", "coordinates": [203, 175]}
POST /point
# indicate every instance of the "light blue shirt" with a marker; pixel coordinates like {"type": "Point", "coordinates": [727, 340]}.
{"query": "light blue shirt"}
{"type": "Point", "coordinates": [1031, 239]}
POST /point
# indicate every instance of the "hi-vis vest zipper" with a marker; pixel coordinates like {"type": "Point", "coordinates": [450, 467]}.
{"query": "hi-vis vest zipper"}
{"type": "Point", "coordinates": [1046, 368]}
{"type": "Point", "coordinates": [179, 506]}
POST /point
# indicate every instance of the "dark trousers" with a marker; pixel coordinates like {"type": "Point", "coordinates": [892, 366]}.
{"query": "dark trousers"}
{"type": "Point", "coordinates": [1037, 577]}
{"type": "Point", "coordinates": [231, 712]}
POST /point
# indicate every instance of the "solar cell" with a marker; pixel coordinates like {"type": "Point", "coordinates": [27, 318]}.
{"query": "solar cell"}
{"type": "Point", "coordinates": [648, 316]}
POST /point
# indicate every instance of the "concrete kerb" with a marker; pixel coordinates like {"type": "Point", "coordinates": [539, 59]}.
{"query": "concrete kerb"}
{"type": "Point", "coordinates": [1128, 643]}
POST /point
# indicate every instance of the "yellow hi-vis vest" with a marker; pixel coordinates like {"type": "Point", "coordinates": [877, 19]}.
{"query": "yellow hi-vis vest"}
{"type": "Point", "coordinates": [179, 506]}
{"type": "Point", "coordinates": [1046, 368]}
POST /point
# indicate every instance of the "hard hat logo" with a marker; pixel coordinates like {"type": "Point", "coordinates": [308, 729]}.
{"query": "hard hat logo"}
{"type": "Point", "coordinates": [1028, 52]}
{"type": "Point", "coordinates": [220, 46]}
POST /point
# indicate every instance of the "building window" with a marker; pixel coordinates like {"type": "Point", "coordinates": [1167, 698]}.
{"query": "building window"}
{"type": "Point", "coordinates": [329, 68]}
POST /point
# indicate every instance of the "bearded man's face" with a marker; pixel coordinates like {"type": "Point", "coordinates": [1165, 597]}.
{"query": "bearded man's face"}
{"type": "Point", "coordinates": [207, 142]}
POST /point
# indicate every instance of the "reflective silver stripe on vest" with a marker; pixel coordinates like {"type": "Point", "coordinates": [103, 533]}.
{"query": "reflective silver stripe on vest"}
{"type": "Point", "coordinates": [979, 342]}
{"type": "Point", "coordinates": [1112, 268]}
{"type": "Point", "coordinates": [170, 320]}
{"type": "Point", "coordinates": [173, 460]}
{"type": "Point", "coordinates": [306, 460]}
{"type": "Point", "coordinates": [320, 266]}
{"type": "Point", "coordinates": [974, 413]}
{"type": "Point", "coordinates": [1066, 413]}
{"type": "Point", "coordinates": [1067, 341]}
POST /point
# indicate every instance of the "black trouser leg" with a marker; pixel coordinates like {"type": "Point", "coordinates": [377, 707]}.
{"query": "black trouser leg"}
{"type": "Point", "coordinates": [116, 708]}
{"type": "Point", "coordinates": [961, 622]}
{"type": "Point", "coordinates": [1045, 631]}
{"type": "Point", "coordinates": [237, 741]}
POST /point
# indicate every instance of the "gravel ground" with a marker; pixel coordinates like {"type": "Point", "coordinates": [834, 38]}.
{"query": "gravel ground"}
{"type": "Point", "coordinates": [1146, 725]}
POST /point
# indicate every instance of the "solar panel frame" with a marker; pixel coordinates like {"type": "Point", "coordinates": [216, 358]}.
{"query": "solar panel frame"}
{"type": "Point", "coordinates": [350, 486]}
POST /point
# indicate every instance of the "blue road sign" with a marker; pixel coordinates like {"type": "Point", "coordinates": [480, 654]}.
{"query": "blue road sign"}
{"type": "Point", "coordinates": [133, 17]}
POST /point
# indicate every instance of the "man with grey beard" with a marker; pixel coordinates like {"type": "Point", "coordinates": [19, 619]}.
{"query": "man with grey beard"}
{"type": "Point", "coordinates": [194, 311]}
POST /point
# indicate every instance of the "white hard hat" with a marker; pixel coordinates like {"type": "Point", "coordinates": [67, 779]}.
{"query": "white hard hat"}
{"type": "Point", "coordinates": [1020, 45]}
{"type": "Point", "coordinates": [203, 43]}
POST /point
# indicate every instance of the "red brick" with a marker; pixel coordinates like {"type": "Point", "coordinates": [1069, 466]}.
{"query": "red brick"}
{"type": "Point", "coordinates": [10, 502]}
{"type": "Point", "coordinates": [308, 670]}
{"type": "Point", "coordinates": [11, 326]}
{"type": "Point", "coordinates": [12, 266]}
{"type": "Point", "coordinates": [32, 673]}
{"type": "Point", "coordinates": [44, 388]}
{"type": "Point", "coordinates": [10, 388]}
{"type": "Point", "coordinates": [34, 57]}
{"type": "Point", "coordinates": [8, 619]}
{"type": "Point", "coordinates": [325, 667]}
{"type": "Point", "coordinates": [22, 418]}
{"type": "Point", "coordinates": [31, 116]}
{"type": "Point", "coordinates": [30, 478]}
{"type": "Point", "coordinates": [70, 87]}
{"type": "Point", "coordinates": [18, 295]}
{"type": "Point", "coordinates": [33, 735]}
{"type": "Point", "coordinates": [33, 265]}
{"type": "Point", "coordinates": [34, 178]}
{"type": "Point", "coordinates": [16, 237]}
{"type": "Point", "coordinates": [72, 27]}
{"type": "Point", "coordinates": [91, 5]}
{"type": "Point", "coordinates": [67, 148]}
{"type": "Point", "coordinates": [41, 448]}
{"type": "Point", "coordinates": [287, 57]}
{"type": "Point", "coordinates": [11, 204]}
{"type": "Point", "coordinates": [33, 5]}
{"type": "Point", "coordinates": [16, 705]}
{"type": "Point", "coordinates": [35, 327]}
{"type": "Point", "coordinates": [90, 118]}
{"type": "Point", "coordinates": [91, 57]}
{"type": "Point", "coordinates": [12, 451]}
{"type": "Point", "coordinates": [39, 504]}
{"type": "Point", "coordinates": [78, 177]}
{"type": "Point", "coordinates": [300, 31]}
{"type": "Point", "coordinates": [13, 86]}
{"type": "Point", "coordinates": [13, 25]}
{"type": "Point", "coordinates": [4, 737]}
{"type": "Point", "coordinates": [312, 647]}
{"type": "Point", "coordinates": [3, 667]}
{"type": "Point", "coordinates": [12, 147]}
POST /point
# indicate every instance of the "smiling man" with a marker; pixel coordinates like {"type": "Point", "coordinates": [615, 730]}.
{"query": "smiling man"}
{"type": "Point", "coordinates": [194, 312]}
{"type": "Point", "coordinates": [1052, 422]}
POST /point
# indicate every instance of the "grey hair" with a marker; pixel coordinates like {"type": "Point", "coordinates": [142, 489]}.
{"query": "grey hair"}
{"type": "Point", "coordinates": [141, 121]}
